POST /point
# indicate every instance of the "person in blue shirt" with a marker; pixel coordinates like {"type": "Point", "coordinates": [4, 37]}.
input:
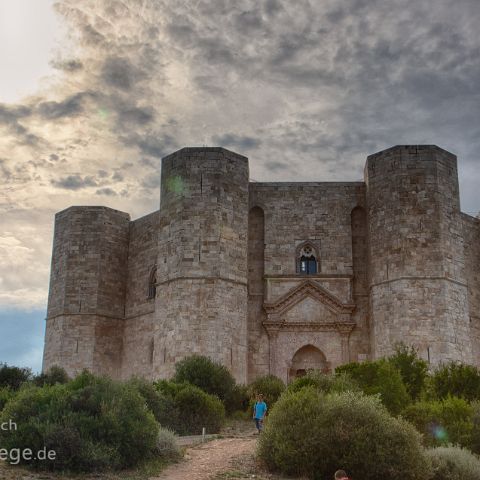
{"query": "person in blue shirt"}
{"type": "Point", "coordinates": [259, 412]}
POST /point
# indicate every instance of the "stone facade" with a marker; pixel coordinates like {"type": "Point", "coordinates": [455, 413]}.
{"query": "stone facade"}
{"type": "Point", "coordinates": [269, 277]}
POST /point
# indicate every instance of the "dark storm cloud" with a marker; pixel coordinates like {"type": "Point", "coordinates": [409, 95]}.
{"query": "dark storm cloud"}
{"type": "Point", "coordinates": [236, 141]}
{"type": "Point", "coordinates": [117, 177]}
{"type": "Point", "coordinates": [69, 66]}
{"type": "Point", "coordinates": [152, 144]}
{"type": "Point", "coordinates": [69, 107]}
{"type": "Point", "coordinates": [135, 115]}
{"type": "Point", "coordinates": [10, 116]}
{"type": "Point", "coordinates": [276, 166]}
{"type": "Point", "coordinates": [106, 191]}
{"type": "Point", "coordinates": [5, 172]}
{"type": "Point", "coordinates": [120, 73]}
{"type": "Point", "coordinates": [75, 182]}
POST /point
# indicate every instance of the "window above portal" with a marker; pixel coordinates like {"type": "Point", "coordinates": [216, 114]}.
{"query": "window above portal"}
{"type": "Point", "coordinates": [307, 262]}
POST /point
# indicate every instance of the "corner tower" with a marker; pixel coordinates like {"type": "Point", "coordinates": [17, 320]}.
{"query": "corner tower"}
{"type": "Point", "coordinates": [84, 326]}
{"type": "Point", "coordinates": [418, 290]}
{"type": "Point", "coordinates": [201, 300]}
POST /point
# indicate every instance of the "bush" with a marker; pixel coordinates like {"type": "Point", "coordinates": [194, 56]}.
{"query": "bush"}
{"type": "Point", "coordinates": [207, 375]}
{"type": "Point", "coordinates": [270, 386]}
{"type": "Point", "coordinates": [167, 446]}
{"type": "Point", "coordinates": [5, 395]}
{"type": "Point", "coordinates": [456, 380]}
{"type": "Point", "coordinates": [237, 400]}
{"type": "Point", "coordinates": [454, 463]}
{"type": "Point", "coordinates": [443, 422]}
{"type": "Point", "coordinates": [54, 375]}
{"type": "Point", "coordinates": [155, 401]}
{"type": "Point", "coordinates": [413, 369]}
{"type": "Point", "coordinates": [91, 423]}
{"type": "Point", "coordinates": [326, 383]}
{"type": "Point", "coordinates": [14, 377]}
{"type": "Point", "coordinates": [475, 443]}
{"type": "Point", "coordinates": [379, 377]}
{"type": "Point", "coordinates": [187, 409]}
{"type": "Point", "coordinates": [312, 434]}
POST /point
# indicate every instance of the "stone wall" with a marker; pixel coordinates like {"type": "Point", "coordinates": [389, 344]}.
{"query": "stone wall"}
{"type": "Point", "coordinates": [317, 214]}
{"type": "Point", "coordinates": [87, 290]}
{"type": "Point", "coordinates": [471, 234]}
{"type": "Point", "coordinates": [417, 283]}
{"type": "Point", "coordinates": [258, 342]}
{"type": "Point", "coordinates": [140, 309]}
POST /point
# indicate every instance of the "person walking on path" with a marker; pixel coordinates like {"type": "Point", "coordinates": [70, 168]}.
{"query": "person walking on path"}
{"type": "Point", "coordinates": [340, 475]}
{"type": "Point", "coordinates": [259, 412]}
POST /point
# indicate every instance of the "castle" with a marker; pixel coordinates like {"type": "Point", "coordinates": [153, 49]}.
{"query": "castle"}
{"type": "Point", "coordinates": [269, 277]}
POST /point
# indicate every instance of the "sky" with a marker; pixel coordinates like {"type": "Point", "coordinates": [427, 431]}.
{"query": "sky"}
{"type": "Point", "coordinates": [94, 93]}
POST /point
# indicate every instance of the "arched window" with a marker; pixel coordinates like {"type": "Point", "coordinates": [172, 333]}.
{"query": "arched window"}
{"type": "Point", "coordinates": [152, 283]}
{"type": "Point", "coordinates": [307, 262]}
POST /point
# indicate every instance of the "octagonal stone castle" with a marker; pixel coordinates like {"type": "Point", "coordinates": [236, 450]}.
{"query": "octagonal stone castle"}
{"type": "Point", "coordinates": [269, 277]}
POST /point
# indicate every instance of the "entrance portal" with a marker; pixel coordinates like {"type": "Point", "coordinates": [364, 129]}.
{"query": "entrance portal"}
{"type": "Point", "coordinates": [305, 359]}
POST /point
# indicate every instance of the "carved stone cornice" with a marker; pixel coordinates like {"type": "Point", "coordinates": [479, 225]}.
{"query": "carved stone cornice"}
{"type": "Point", "coordinates": [273, 328]}
{"type": "Point", "coordinates": [308, 289]}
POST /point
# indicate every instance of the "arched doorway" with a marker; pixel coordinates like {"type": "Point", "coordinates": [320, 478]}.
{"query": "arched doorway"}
{"type": "Point", "coordinates": [307, 358]}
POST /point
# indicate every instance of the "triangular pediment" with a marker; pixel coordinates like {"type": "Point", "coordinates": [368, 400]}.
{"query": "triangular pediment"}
{"type": "Point", "coordinates": [311, 290]}
{"type": "Point", "coordinates": [310, 310]}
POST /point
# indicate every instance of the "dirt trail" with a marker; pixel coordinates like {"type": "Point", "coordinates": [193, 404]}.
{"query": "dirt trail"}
{"type": "Point", "coordinates": [204, 461]}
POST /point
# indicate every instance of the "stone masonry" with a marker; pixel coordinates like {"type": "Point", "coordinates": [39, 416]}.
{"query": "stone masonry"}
{"type": "Point", "coordinates": [269, 277]}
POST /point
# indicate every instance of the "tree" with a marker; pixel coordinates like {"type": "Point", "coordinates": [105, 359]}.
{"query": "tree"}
{"type": "Point", "coordinates": [14, 377]}
{"type": "Point", "coordinates": [413, 369]}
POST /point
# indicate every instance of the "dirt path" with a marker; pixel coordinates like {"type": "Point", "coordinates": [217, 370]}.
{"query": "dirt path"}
{"type": "Point", "coordinates": [204, 461]}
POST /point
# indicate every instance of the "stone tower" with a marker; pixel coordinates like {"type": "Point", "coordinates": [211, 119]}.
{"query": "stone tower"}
{"type": "Point", "coordinates": [201, 300]}
{"type": "Point", "coordinates": [86, 305]}
{"type": "Point", "coordinates": [418, 291]}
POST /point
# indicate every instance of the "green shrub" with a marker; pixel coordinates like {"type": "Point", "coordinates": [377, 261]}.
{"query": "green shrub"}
{"type": "Point", "coordinates": [454, 463]}
{"type": "Point", "coordinates": [91, 423]}
{"type": "Point", "coordinates": [167, 446]}
{"type": "Point", "coordinates": [443, 422]}
{"type": "Point", "coordinates": [211, 377]}
{"type": "Point", "coordinates": [382, 378]}
{"type": "Point", "coordinates": [413, 370]}
{"type": "Point", "coordinates": [55, 375]}
{"type": "Point", "coordinates": [187, 409]}
{"type": "Point", "coordinates": [456, 380]}
{"type": "Point", "coordinates": [5, 395]}
{"type": "Point", "coordinates": [311, 434]}
{"type": "Point", "coordinates": [153, 398]}
{"type": "Point", "coordinates": [14, 377]}
{"type": "Point", "coordinates": [326, 383]}
{"type": "Point", "coordinates": [270, 386]}
{"type": "Point", "coordinates": [237, 400]}
{"type": "Point", "coordinates": [475, 442]}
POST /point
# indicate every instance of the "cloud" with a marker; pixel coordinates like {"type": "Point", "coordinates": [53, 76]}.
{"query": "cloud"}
{"type": "Point", "coordinates": [75, 182]}
{"type": "Point", "coordinates": [70, 65]}
{"type": "Point", "coordinates": [69, 107]}
{"type": "Point", "coordinates": [120, 73]}
{"type": "Point", "coordinates": [236, 141]}
{"type": "Point", "coordinates": [106, 191]}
